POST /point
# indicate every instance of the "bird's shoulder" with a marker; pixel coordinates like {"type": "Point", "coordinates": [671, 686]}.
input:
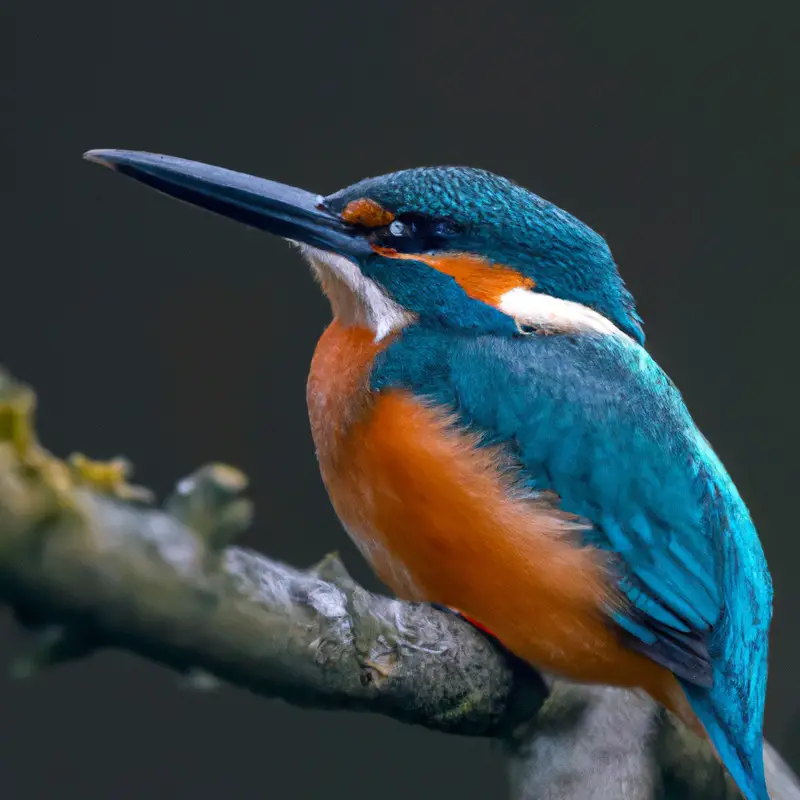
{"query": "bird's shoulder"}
{"type": "Point", "coordinates": [596, 421]}
{"type": "Point", "coordinates": [591, 417]}
{"type": "Point", "coordinates": [505, 382]}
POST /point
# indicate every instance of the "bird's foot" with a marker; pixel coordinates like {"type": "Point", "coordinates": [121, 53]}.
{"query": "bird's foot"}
{"type": "Point", "coordinates": [475, 624]}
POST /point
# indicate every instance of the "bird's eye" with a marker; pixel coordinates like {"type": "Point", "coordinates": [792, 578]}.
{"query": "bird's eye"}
{"type": "Point", "coordinates": [415, 233]}
{"type": "Point", "coordinates": [398, 228]}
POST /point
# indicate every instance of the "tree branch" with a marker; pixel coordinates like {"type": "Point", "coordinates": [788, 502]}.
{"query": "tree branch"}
{"type": "Point", "coordinates": [86, 562]}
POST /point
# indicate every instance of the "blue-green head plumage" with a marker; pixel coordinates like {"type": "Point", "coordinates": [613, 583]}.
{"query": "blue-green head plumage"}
{"type": "Point", "coordinates": [434, 239]}
{"type": "Point", "coordinates": [461, 209]}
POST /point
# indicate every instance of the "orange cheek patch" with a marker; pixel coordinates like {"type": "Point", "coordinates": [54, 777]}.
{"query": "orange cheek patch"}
{"type": "Point", "coordinates": [366, 212]}
{"type": "Point", "coordinates": [479, 278]}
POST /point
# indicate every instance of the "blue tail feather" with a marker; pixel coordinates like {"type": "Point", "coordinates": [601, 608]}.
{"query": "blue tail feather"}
{"type": "Point", "coordinates": [742, 755]}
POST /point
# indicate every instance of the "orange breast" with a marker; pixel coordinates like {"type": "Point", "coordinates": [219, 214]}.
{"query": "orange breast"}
{"type": "Point", "coordinates": [441, 521]}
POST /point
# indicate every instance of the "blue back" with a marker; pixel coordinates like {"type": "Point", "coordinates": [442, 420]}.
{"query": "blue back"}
{"type": "Point", "coordinates": [594, 419]}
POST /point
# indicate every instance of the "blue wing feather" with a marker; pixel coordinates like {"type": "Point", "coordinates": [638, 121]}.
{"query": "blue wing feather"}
{"type": "Point", "coordinates": [596, 421]}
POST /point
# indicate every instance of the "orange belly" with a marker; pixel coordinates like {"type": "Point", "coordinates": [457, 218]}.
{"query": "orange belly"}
{"type": "Point", "coordinates": [439, 520]}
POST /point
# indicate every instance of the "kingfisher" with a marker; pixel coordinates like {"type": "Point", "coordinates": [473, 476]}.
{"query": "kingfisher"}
{"type": "Point", "coordinates": [496, 439]}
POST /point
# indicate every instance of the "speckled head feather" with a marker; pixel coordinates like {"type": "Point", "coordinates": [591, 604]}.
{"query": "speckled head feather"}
{"type": "Point", "coordinates": [491, 216]}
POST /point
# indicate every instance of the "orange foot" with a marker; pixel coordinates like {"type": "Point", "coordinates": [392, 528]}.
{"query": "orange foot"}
{"type": "Point", "coordinates": [475, 623]}
{"type": "Point", "coordinates": [469, 619]}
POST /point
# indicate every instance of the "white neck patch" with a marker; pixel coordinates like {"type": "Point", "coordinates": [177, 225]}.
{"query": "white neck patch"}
{"type": "Point", "coordinates": [553, 314]}
{"type": "Point", "coordinates": [356, 300]}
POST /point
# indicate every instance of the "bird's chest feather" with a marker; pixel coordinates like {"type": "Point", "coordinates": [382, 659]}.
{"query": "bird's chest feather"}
{"type": "Point", "coordinates": [341, 407]}
{"type": "Point", "coordinates": [440, 519]}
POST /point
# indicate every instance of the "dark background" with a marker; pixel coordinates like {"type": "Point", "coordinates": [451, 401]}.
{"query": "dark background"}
{"type": "Point", "coordinates": [157, 331]}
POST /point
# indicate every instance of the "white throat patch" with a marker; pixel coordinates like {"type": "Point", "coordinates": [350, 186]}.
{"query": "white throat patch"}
{"type": "Point", "coordinates": [355, 299]}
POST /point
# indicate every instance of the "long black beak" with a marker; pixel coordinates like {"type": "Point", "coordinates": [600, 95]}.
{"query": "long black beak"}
{"type": "Point", "coordinates": [273, 207]}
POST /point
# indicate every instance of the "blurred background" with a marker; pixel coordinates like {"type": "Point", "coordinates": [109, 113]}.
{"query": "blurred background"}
{"type": "Point", "coordinates": [154, 330]}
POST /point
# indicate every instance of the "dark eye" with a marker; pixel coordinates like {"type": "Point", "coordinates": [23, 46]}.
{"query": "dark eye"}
{"type": "Point", "coordinates": [414, 233]}
{"type": "Point", "coordinates": [444, 228]}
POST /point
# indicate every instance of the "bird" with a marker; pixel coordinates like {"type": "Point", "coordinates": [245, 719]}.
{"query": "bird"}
{"type": "Point", "coordinates": [496, 439]}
